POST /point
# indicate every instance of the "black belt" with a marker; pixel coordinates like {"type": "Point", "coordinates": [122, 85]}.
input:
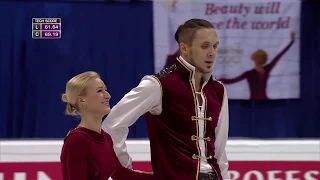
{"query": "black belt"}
{"type": "Point", "coordinates": [208, 176]}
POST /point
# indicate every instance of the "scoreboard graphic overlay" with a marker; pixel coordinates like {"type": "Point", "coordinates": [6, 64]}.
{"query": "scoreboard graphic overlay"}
{"type": "Point", "coordinates": [46, 28]}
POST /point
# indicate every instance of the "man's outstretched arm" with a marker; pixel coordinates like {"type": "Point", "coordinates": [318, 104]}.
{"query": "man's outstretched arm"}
{"type": "Point", "coordinates": [141, 99]}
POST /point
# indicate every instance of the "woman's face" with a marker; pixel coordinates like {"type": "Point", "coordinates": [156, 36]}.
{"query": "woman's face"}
{"type": "Point", "coordinates": [96, 98]}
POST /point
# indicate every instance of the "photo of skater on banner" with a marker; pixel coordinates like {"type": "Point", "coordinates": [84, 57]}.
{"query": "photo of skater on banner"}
{"type": "Point", "coordinates": [258, 55]}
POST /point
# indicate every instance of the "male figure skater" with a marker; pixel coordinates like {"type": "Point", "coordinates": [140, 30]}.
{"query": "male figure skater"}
{"type": "Point", "coordinates": [186, 112]}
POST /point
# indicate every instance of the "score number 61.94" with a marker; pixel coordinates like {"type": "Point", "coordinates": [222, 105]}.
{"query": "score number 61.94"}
{"type": "Point", "coordinates": [51, 27]}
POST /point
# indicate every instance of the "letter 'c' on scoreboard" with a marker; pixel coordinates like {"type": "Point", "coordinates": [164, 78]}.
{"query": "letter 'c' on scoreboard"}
{"type": "Point", "coordinates": [46, 28]}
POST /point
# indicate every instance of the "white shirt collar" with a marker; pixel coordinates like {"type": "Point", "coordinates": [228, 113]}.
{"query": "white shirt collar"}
{"type": "Point", "coordinates": [206, 77]}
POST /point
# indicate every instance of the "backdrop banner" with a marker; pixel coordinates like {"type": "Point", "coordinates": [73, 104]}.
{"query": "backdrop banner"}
{"type": "Point", "coordinates": [258, 55]}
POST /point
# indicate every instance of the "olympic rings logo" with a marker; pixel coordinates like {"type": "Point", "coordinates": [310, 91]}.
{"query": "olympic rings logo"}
{"type": "Point", "coordinates": [228, 60]}
{"type": "Point", "coordinates": [229, 57]}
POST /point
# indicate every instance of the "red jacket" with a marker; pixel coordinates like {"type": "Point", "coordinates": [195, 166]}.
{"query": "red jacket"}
{"type": "Point", "coordinates": [174, 133]}
{"type": "Point", "coordinates": [88, 155]}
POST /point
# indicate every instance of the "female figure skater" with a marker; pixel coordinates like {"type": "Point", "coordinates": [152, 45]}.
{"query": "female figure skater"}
{"type": "Point", "coordinates": [87, 153]}
{"type": "Point", "coordinates": [259, 76]}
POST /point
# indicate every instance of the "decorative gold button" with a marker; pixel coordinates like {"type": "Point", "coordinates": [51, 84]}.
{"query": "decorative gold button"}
{"type": "Point", "coordinates": [194, 156]}
{"type": "Point", "coordinates": [193, 137]}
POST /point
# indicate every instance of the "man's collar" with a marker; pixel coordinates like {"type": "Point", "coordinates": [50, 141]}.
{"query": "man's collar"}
{"type": "Point", "coordinates": [206, 77]}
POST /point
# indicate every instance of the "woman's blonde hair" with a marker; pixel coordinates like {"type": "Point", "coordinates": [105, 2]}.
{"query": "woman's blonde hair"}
{"type": "Point", "coordinates": [263, 55]}
{"type": "Point", "coordinates": [76, 87]}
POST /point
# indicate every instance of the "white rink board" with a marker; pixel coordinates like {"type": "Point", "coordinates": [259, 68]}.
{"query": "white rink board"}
{"type": "Point", "coordinates": [237, 150]}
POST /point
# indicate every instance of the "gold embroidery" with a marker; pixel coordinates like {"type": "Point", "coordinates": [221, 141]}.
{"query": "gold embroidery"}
{"type": "Point", "coordinates": [194, 137]}
{"type": "Point", "coordinates": [195, 118]}
{"type": "Point", "coordinates": [195, 108]}
{"type": "Point", "coordinates": [194, 156]}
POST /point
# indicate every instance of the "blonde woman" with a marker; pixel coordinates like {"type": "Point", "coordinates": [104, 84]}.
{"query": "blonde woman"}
{"type": "Point", "coordinates": [87, 153]}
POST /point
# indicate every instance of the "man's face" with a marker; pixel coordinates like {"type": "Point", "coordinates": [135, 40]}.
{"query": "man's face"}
{"type": "Point", "coordinates": [203, 50]}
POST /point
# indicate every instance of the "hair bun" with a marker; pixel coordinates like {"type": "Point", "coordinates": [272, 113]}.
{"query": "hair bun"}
{"type": "Point", "coordinates": [70, 110]}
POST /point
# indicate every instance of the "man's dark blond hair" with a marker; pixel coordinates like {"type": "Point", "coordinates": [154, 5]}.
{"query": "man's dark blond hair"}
{"type": "Point", "coordinates": [185, 32]}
